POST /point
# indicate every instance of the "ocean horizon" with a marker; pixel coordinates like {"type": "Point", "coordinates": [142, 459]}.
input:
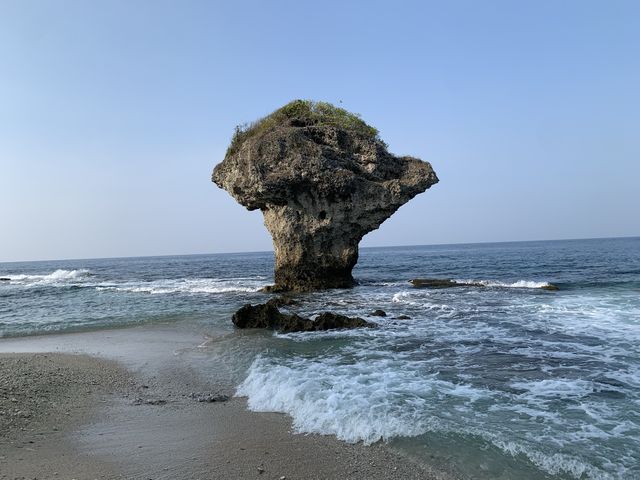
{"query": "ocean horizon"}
{"type": "Point", "coordinates": [122, 257]}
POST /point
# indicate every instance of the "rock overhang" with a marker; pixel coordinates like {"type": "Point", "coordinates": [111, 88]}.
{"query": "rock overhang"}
{"type": "Point", "coordinates": [322, 180]}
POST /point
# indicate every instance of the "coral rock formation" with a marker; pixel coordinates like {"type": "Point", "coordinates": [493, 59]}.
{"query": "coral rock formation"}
{"type": "Point", "coordinates": [322, 179]}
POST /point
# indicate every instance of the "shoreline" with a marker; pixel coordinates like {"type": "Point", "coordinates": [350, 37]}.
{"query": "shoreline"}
{"type": "Point", "coordinates": [140, 407]}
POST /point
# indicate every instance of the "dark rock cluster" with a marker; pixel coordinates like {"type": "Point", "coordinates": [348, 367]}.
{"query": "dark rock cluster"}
{"type": "Point", "coordinates": [267, 315]}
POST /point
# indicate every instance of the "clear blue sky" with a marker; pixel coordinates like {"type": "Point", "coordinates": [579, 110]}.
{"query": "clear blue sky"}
{"type": "Point", "coordinates": [114, 113]}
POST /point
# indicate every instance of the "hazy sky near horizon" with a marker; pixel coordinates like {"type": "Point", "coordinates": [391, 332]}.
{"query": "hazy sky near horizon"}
{"type": "Point", "coordinates": [114, 113]}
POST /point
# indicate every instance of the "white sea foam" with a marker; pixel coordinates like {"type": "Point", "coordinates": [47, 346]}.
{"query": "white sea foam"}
{"type": "Point", "coordinates": [498, 284]}
{"type": "Point", "coordinates": [403, 297]}
{"type": "Point", "coordinates": [556, 463]}
{"type": "Point", "coordinates": [528, 411]}
{"type": "Point", "coordinates": [57, 277]}
{"type": "Point", "coordinates": [185, 285]}
{"type": "Point", "coordinates": [84, 277]}
{"type": "Point", "coordinates": [562, 388]}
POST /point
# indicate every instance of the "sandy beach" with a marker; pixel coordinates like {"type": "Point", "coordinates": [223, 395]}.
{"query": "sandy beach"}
{"type": "Point", "coordinates": [133, 404]}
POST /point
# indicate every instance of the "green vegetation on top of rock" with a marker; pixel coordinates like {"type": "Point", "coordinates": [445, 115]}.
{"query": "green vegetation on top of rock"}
{"type": "Point", "coordinates": [304, 113]}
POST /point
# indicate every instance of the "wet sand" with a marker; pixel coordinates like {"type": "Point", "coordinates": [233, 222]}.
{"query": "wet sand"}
{"type": "Point", "coordinates": [134, 404]}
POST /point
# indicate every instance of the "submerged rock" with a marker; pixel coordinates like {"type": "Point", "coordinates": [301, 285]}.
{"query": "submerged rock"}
{"type": "Point", "coordinates": [378, 313]}
{"type": "Point", "coordinates": [267, 315]}
{"type": "Point", "coordinates": [435, 283]}
{"type": "Point", "coordinates": [322, 179]}
{"type": "Point", "coordinates": [5, 279]}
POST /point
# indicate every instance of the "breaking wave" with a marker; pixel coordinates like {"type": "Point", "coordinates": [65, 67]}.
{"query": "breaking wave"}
{"type": "Point", "coordinates": [385, 398]}
{"type": "Point", "coordinates": [497, 284]}
{"type": "Point", "coordinates": [354, 402]}
{"type": "Point", "coordinates": [57, 277]}
{"type": "Point", "coordinates": [84, 278]}
{"type": "Point", "coordinates": [186, 286]}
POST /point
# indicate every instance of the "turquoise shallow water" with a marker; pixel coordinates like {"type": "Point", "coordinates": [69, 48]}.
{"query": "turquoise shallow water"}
{"type": "Point", "coordinates": [505, 381]}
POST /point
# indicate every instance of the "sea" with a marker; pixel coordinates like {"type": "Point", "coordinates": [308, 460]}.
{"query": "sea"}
{"type": "Point", "coordinates": [502, 380]}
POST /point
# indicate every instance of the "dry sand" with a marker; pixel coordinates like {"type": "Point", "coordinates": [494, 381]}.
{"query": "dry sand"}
{"type": "Point", "coordinates": [125, 404]}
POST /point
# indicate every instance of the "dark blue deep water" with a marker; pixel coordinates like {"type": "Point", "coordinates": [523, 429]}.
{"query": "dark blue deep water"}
{"type": "Point", "coordinates": [507, 380]}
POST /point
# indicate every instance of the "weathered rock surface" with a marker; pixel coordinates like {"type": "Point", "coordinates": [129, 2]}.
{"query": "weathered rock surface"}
{"type": "Point", "coordinates": [267, 315]}
{"type": "Point", "coordinates": [322, 179]}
